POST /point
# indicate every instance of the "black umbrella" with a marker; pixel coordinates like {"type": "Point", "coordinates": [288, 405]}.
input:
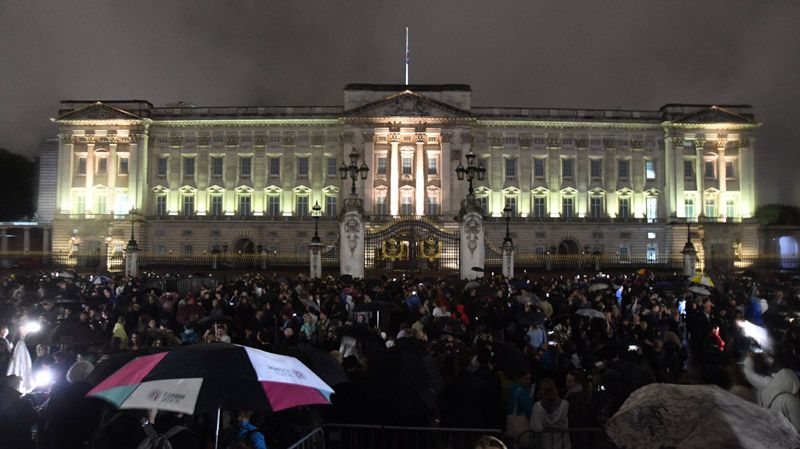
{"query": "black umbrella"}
{"type": "Point", "coordinates": [508, 357]}
{"type": "Point", "coordinates": [320, 362]}
{"type": "Point", "coordinates": [445, 325]}
{"type": "Point", "coordinates": [73, 333]}
{"type": "Point", "coordinates": [379, 306]}
{"type": "Point", "coordinates": [107, 367]}
{"type": "Point", "coordinates": [532, 317]}
{"type": "Point", "coordinates": [209, 320]}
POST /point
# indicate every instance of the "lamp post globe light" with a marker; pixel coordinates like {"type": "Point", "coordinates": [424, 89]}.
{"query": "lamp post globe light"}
{"type": "Point", "coordinates": [353, 171]}
{"type": "Point", "coordinates": [316, 211]}
{"type": "Point", "coordinates": [470, 172]}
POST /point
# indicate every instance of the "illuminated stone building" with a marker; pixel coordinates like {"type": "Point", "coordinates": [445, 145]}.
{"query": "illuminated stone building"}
{"type": "Point", "coordinates": [244, 179]}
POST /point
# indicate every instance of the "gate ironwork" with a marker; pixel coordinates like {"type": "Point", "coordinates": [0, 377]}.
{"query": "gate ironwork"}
{"type": "Point", "coordinates": [413, 246]}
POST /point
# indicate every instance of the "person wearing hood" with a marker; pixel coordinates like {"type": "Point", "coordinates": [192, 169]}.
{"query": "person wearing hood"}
{"type": "Point", "coordinates": [550, 413]}
{"type": "Point", "coordinates": [777, 391]}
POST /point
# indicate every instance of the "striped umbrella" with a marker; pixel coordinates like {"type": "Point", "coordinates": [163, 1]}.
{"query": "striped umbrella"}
{"type": "Point", "coordinates": [702, 279]}
{"type": "Point", "coordinates": [213, 377]}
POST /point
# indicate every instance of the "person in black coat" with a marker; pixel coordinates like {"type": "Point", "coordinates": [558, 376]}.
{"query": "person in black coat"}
{"type": "Point", "coordinates": [17, 415]}
{"type": "Point", "coordinates": [70, 418]}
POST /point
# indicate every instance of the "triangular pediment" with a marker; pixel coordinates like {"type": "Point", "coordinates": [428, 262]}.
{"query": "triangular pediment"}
{"type": "Point", "coordinates": [98, 111]}
{"type": "Point", "coordinates": [407, 104]}
{"type": "Point", "coordinates": [714, 114]}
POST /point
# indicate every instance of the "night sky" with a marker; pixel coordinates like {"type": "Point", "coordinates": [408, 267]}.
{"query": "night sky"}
{"type": "Point", "coordinates": [592, 54]}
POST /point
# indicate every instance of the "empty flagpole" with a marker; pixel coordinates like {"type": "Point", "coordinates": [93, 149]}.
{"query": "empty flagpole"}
{"type": "Point", "coordinates": [406, 58]}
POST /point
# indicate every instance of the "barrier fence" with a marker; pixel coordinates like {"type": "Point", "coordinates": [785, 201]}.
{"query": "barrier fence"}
{"type": "Point", "coordinates": [347, 436]}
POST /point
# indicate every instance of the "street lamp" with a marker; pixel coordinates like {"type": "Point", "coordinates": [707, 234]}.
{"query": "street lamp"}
{"type": "Point", "coordinates": [316, 211]}
{"type": "Point", "coordinates": [470, 172]}
{"type": "Point", "coordinates": [507, 214]}
{"type": "Point", "coordinates": [354, 171]}
{"type": "Point", "coordinates": [132, 243]}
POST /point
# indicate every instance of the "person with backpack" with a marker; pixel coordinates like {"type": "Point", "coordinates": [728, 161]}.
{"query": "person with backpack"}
{"type": "Point", "coordinates": [243, 433]}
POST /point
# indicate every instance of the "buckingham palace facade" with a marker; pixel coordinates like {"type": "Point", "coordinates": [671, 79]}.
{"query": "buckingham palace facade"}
{"type": "Point", "coordinates": [246, 179]}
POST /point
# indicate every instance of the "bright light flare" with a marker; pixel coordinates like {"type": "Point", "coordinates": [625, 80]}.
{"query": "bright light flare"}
{"type": "Point", "coordinates": [757, 333]}
{"type": "Point", "coordinates": [43, 378]}
{"type": "Point", "coordinates": [31, 327]}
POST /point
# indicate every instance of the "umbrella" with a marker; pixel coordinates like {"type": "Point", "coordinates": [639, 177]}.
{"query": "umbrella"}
{"type": "Point", "coordinates": [699, 290]}
{"type": "Point", "coordinates": [322, 363]}
{"type": "Point", "coordinates": [532, 317]}
{"type": "Point", "coordinates": [445, 325]}
{"type": "Point", "coordinates": [598, 286]}
{"type": "Point", "coordinates": [109, 366]}
{"type": "Point", "coordinates": [379, 306]}
{"type": "Point", "coordinates": [591, 313]}
{"type": "Point", "coordinates": [72, 332]}
{"type": "Point", "coordinates": [310, 304]}
{"type": "Point", "coordinates": [65, 275]}
{"type": "Point", "coordinates": [478, 269]}
{"type": "Point", "coordinates": [508, 357]}
{"type": "Point", "coordinates": [212, 377]}
{"type": "Point", "coordinates": [216, 319]}
{"type": "Point", "coordinates": [101, 280]}
{"type": "Point", "coordinates": [702, 280]}
{"type": "Point", "coordinates": [697, 416]}
{"type": "Point", "coordinates": [521, 284]}
{"type": "Point", "coordinates": [472, 285]}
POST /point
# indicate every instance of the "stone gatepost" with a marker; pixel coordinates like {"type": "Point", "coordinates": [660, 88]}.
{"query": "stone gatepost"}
{"type": "Point", "coordinates": [132, 259]}
{"type": "Point", "coordinates": [689, 259]}
{"type": "Point", "coordinates": [472, 250]}
{"type": "Point", "coordinates": [315, 262]}
{"type": "Point", "coordinates": [351, 242]}
{"type": "Point", "coordinates": [508, 259]}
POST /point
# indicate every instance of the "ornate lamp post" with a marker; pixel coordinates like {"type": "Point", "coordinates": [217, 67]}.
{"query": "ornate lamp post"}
{"type": "Point", "coordinates": [508, 246]}
{"type": "Point", "coordinates": [353, 171]}
{"type": "Point", "coordinates": [132, 250]}
{"type": "Point", "coordinates": [689, 253]}
{"type": "Point", "coordinates": [108, 256]}
{"type": "Point", "coordinates": [316, 211]}
{"type": "Point", "coordinates": [470, 172]}
{"type": "Point", "coordinates": [507, 214]}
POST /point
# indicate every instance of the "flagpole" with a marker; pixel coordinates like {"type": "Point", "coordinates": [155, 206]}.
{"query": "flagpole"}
{"type": "Point", "coordinates": [406, 57]}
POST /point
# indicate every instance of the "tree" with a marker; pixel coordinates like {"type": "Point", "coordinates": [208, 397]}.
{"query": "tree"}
{"type": "Point", "coordinates": [17, 186]}
{"type": "Point", "coordinates": [778, 215]}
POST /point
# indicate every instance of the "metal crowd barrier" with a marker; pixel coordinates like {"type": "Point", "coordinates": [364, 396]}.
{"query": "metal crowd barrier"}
{"type": "Point", "coordinates": [313, 440]}
{"type": "Point", "coordinates": [348, 436]}
{"type": "Point", "coordinates": [578, 438]}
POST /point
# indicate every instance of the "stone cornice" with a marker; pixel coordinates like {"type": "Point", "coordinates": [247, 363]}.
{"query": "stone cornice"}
{"type": "Point", "coordinates": [710, 126]}
{"type": "Point", "coordinates": [407, 120]}
{"type": "Point", "coordinates": [95, 122]}
{"type": "Point", "coordinates": [208, 123]}
{"type": "Point", "coordinates": [564, 124]}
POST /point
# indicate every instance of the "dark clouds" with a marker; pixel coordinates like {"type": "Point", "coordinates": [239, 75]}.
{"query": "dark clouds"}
{"type": "Point", "coordinates": [605, 54]}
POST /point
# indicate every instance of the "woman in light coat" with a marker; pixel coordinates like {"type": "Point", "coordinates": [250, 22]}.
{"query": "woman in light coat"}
{"type": "Point", "coordinates": [551, 413]}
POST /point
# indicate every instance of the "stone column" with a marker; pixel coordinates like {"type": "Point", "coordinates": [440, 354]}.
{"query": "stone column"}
{"type": "Point", "coordinates": [351, 242]}
{"type": "Point", "coordinates": [46, 240]}
{"type": "Point", "coordinates": [420, 175]}
{"type": "Point", "coordinates": [315, 253]}
{"type": "Point", "coordinates": [26, 240]}
{"type": "Point", "coordinates": [394, 176]}
{"type": "Point", "coordinates": [508, 259]}
{"type": "Point", "coordinates": [689, 259]}
{"type": "Point", "coordinates": [472, 250]}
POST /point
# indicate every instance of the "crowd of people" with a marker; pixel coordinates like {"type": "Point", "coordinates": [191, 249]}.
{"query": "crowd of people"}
{"type": "Point", "coordinates": [526, 355]}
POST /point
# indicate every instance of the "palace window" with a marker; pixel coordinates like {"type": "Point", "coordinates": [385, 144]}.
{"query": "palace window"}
{"type": "Point", "coordinates": [330, 205]}
{"type": "Point", "coordinates": [332, 167]}
{"type": "Point", "coordinates": [623, 168]}
{"type": "Point", "coordinates": [216, 205]}
{"type": "Point", "coordinates": [511, 168]}
{"type": "Point", "coordinates": [123, 165]}
{"type": "Point", "coordinates": [483, 201]}
{"type": "Point", "coordinates": [81, 165]}
{"type": "Point", "coordinates": [596, 206]}
{"type": "Point", "coordinates": [245, 167]}
{"type": "Point", "coordinates": [101, 202]}
{"type": "Point", "coordinates": [80, 203]}
{"type": "Point", "coordinates": [188, 205]}
{"type": "Point", "coordinates": [380, 205]}
{"type": "Point", "coordinates": [302, 166]}
{"type": "Point", "coordinates": [121, 202]}
{"type": "Point", "coordinates": [102, 166]}
{"type": "Point", "coordinates": [730, 208]}
{"type": "Point", "coordinates": [161, 167]}
{"type": "Point", "coordinates": [730, 170]}
{"type": "Point", "coordinates": [244, 204]}
{"type": "Point", "coordinates": [511, 201]}
{"type": "Point", "coordinates": [709, 169]}
{"type": "Point", "coordinates": [216, 167]}
{"type": "Point", "coordinates": [406, 203]}
{"type": "Point", "coordinates": [275, 166]}
{"type": "Point", "coordinates": [711, 207]}
{"type": "Point", "coordinates": [624, 208]}
{"type": "Point", "coordinates": [381, 164]}
{"type": "Point", "coordinates": [188, 167]}
{"type": "Point", "coordinates": [624, 253]}
{"type": "Point", "coordinates": [688, 207]}
{"type": "Point", "coordinates": [651, 208]}
{"type": "Point", "coordinates": [161, 205]}
{"type": "Point", "coordinates": [596, 168]}
{"type": "Point", "coordinates": [538, 168]}
{"type": "Point", "coordinates": [274, 205]}
{"type": "Point", "coordinates": [539, 206]}
{"type": "Point", "coordinates": [650, 169]}
{"type": "Point", "coordinates": [433, 205]}
{"type": "Point", "coordinates": [652, 252]}
{"type": "Point", "coordinates": [566, 168]}
{"type": "Point", "coordinates": [568, 207]}
{"type": "Point", "coordinates": [407, 165]}
{"type": "Point", "coordinates": [688, 168]}
{"type": "Point", "coordinates": [432, 165]}
{"type": "Point", "coordinates": [302, 206]}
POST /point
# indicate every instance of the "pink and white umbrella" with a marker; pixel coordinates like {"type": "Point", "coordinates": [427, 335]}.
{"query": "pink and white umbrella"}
{"type": "Point", "coordinates": [210, 377]}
